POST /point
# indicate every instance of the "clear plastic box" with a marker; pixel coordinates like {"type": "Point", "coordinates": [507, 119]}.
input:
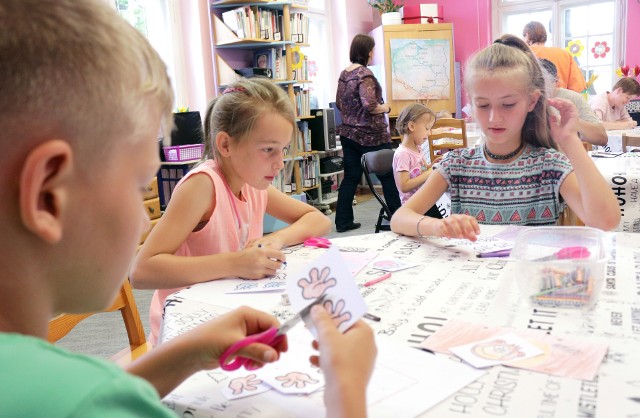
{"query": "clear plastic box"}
{"type": "Point", "coordinates": [560, 267]}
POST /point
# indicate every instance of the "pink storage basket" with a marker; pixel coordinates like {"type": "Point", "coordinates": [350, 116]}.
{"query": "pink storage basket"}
{"type": "Point", "coordinates": [183, 152]}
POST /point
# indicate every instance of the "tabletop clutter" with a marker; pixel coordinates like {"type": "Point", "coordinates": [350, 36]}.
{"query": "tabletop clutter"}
{"type": "Point", "coordinates": [566, 277]}
{"type": "Point", "coordinates": [559, 268]}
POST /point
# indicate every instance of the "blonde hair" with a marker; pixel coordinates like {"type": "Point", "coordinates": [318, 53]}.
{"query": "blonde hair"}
{"type": "Point", "coordinates": [75, 70]}
{"type": "Point", "coordinates": [510, 56]}
{"type": "Point", "coordinates": [238, 108]}
{"type": "Point", "coordinates": [411, 113]}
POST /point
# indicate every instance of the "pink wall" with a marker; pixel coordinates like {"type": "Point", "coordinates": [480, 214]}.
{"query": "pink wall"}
{"type": "Point", "coordinates": [471, 23]}
{"type": "Point", "coordinates": [633, 33]}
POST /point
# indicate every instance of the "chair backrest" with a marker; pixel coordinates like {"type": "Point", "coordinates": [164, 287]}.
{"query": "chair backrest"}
{"type": "Point", "coordinates": [378, 162]}
{"type": "Point", "coordinates": [438, 131]}
{"type": "Point", "coordinates": [62, 324]}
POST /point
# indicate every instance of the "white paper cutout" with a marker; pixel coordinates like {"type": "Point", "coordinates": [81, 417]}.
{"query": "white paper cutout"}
{"type": "Point", "coordinates": [329, 275]}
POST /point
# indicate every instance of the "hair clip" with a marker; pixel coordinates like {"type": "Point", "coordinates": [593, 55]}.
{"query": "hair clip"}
{"type": "Point", "coordinates": [234, 90]}
{"type": "Point", "coordinates": [499, 41]}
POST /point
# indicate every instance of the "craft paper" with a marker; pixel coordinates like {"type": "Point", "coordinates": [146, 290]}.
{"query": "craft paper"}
{"type": "Point", "coordinates": [564, 357]}
{"type": "Point", "coordinates": [493, 351]}
{"type": "Point", "coordinates": [329, 275]}
{"type": "Point", "coordinates": [243, 383]}
{"type": "Point", "coordinates": [391, 264]}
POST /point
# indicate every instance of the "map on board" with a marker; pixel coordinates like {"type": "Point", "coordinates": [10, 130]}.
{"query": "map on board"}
{"type": "Point", "coordinates": [420, 69]}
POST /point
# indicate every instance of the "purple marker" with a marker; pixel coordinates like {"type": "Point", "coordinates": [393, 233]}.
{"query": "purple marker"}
{"type": "Point", "coordinates": [498, 253]}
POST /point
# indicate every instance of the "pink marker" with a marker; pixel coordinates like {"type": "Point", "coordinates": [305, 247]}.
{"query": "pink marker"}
{"type": "Point", "coordinates": [377, 280]}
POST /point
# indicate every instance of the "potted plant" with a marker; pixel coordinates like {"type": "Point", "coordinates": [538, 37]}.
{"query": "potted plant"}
{"type": "Point", "coordinates": [389, 10]}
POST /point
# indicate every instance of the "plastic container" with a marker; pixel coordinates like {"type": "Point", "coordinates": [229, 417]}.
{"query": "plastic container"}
{"type": "Point", "coordinates": [180, 153]}
{"type": "Point", "coordinates": [560, 267]}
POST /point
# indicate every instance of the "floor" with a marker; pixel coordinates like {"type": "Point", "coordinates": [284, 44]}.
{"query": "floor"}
{"type": "Point", "coordinates": [103, 335]}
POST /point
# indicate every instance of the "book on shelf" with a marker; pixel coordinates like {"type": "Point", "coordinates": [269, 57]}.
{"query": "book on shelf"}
{"type": "Point", "coordinates": [271, 58]}
{"type": "Point", "coordinates": [299, 28]}
{"type": "Point", "coordinates": [254, 22]}
{"type": "Point", "coordinates": [304, 136]}
{"type": "Point", "coordinates": [302, 102]}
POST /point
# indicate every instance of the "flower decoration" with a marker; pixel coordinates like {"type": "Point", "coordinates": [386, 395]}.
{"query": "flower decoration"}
{"type": "Point", "coordinates": [313, 68]}
{"type": "Point", "coordinates": [600, 49]}
{"type": "Point", "coordinates": [575, 48]}
{"type": "Point", "coordinates": [625, 71]}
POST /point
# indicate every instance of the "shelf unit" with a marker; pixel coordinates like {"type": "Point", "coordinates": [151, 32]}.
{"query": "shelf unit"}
{"type": "Point", "coordinates": [321, 202]}
{"type": "Point", "coordinates": [231, 51]}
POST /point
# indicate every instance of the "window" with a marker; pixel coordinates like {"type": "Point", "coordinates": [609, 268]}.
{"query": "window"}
{"type": "Point", "coordinates": [587, 29]}
{"type": "Point", "coordinates": [320, 60]}
{"type": "Point", "coordinates": [151, 18]}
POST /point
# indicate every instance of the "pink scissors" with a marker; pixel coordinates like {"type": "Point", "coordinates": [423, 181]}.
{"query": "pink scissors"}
{"type": "Point", "coordinates": [318, 242]}
{"type": "Point", "coordinates": [567, 253]}
{"type": "Point", "coordinates": [273, 336]}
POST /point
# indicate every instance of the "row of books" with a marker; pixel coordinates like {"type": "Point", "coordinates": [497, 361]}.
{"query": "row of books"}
{"type": "Point", "coordinates": [309, 171]}
{"type": "Point", "coordinates": [301, 73]}
{"type": "Point", "coordinates": [299, 28]}
{"type": "Point", "coordinates": [285, 180]}
{"type": "Point", "coordinates": [302, 103]}
{"type": "Point", "coordinates": [254, 22]}
{"type": "Point", "coordinates": [303, 140]}
{"type": "Point", "coordinates": [273, 59]}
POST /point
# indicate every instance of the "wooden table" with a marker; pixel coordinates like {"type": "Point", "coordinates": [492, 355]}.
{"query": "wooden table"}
{"type": "Point", "coordinates": [450, 282]}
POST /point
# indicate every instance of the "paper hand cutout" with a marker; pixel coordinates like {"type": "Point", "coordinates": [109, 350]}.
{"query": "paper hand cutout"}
{"type": "Point", "coordinates": [247, 383]}
{"type": "Point", "coordinates": [246, 286]}
{"type": "Point", "coordinates": [298, 379]}
{"type": "Point", "coordinates": [317, 284]}
{"type": "Point", "coordinates": [336, 311]}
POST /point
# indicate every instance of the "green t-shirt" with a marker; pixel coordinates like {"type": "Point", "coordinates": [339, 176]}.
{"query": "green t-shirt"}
{"type": "Point", "coordinates": [38, 379]}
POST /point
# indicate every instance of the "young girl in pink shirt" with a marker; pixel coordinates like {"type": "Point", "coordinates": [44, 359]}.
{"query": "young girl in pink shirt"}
{"type": "Point", "coordinates": [212, 227]}
{"type": "Point", "coordinates": [410, 169]}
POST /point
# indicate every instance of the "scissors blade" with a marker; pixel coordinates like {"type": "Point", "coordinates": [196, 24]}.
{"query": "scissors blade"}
{"type": "Point", "coordinates": [291, 322]}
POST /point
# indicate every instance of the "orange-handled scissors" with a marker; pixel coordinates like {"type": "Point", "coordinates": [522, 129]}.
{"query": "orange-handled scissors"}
{"type": "Point", "coordinates": [273, 336]}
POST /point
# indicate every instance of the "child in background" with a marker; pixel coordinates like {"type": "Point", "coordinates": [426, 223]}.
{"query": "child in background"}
{"type": "Point", "coordinates": [410, 168]}
{"type": "Point", "coordinates": [212, 227]}
{"type": "Point", "coordinates": [517, 176]}
{"type": "Point", "coordinates": [67, 243]}
{"type": "Point", "coordinates": [610, 106]}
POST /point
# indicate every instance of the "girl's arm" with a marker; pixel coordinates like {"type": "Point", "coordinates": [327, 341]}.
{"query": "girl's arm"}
{"type": "Point", "coordinates": [406, 184]}
{"type": "Point", "coordinates": [156, 265]}
{"type": "Point", "coordinates": [304, 221]}
{"type": "Point", "coordinates": [585, 189]}
{"type": "Point", "coordinates": [409, 219]}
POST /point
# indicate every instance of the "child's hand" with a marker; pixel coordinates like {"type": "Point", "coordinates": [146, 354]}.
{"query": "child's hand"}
{"type": "Point", "coordinates": [565, 124]}
{"type": "Point", "coordinates": [207, 342]}
{"type": "Point", "coordinates": [459, 226]}
{"type": "Point", "coordinates": [435, 161]}
{"type": "Point", "coordinates": [270, 241]}
{"type": "Point", "coordinates": [346, 359]}
{"type": "Point", "coordinates": [258, 262]}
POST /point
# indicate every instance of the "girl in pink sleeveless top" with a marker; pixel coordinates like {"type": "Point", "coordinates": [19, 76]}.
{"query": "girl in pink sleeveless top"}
{"type": "Point", "coordinates": [212, 227]}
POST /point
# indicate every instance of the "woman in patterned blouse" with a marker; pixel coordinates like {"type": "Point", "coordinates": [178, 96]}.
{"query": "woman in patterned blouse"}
{"type": "Point", "coordinates": [363, 129]}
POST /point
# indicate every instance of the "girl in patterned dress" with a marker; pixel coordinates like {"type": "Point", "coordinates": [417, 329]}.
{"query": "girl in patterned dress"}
{"type": "Point", "coordinates": [518, 176]}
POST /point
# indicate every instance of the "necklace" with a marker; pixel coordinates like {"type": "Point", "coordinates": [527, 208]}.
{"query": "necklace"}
{"type": "Point", "coordinates": [503, 157]}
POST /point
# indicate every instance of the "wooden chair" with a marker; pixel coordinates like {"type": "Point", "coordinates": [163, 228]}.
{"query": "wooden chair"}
{"type": "Point", "coordinates": [437, 133]}
{"type": "Point", "coordinates": [126, 304]}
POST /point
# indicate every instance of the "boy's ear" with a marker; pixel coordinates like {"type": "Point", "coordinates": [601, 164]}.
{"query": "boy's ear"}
{"type": "Point", "coordinates": [534, 97]}
{"type": "Point", "coordinates": [43, 189]}
{"type": "Point", "coordinates": [223, 142]}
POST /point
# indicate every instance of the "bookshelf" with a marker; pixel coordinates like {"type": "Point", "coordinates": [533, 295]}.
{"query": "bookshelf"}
{"type": "Point", "coordinates": [269, 34]}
